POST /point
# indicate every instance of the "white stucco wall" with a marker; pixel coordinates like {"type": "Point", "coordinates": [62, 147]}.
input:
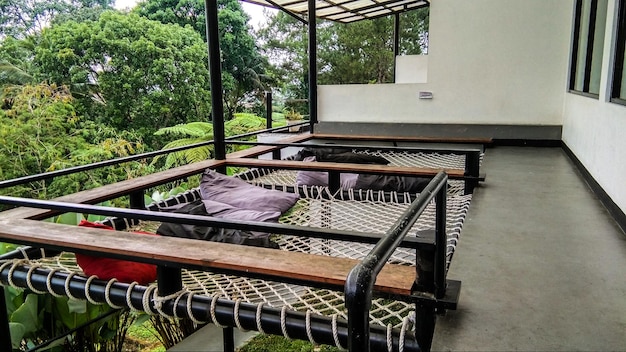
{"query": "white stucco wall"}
{"type": "Point", "coordinates": [489, 62]}
{"type": "Point", "coordinates": [411, 69]}
{"type": "Point", "coordinates": [594, 128]}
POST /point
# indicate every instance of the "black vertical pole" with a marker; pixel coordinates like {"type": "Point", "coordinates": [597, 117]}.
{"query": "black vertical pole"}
{"type": "Point", "coordinates": [441, 240]}
{"type": "Point", "coordinates": [5, 342]}
{"type": "Point", "coordinates": [396, 42]}
{"type": "Point", "coordinates": [215, 71]}
{"type": "Point", "coordinates": [268, 109]}
{"type": "Point", "coordinates": [312, 66]}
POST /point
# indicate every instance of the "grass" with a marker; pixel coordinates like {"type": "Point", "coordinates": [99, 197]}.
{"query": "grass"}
{"type": "Point", "coordinates": [273, 343]}
{"type": "Point", "coordinates": [142, 338]}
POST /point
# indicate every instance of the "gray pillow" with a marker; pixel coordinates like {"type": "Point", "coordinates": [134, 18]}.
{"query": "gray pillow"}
{"type": "Point", "coordinates": [240, 194]}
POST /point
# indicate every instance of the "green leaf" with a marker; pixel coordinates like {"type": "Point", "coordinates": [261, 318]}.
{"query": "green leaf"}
{"type": "Point", "coordinates": [18, 330]}
{"type": "Point", "coordinates": [27, 314]}
{"type": "Point", "coordinates": [77, 306]}
{"type": "Point", "coordinates": [69, 218]}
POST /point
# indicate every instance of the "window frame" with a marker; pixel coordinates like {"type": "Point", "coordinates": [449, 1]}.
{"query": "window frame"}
{"type": "Point", "coordinates": [588, 57]}
{"type": "Point", "coordinates": [618, 55]}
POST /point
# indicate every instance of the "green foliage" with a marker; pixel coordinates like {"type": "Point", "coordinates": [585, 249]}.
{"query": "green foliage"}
{"type": "Point", "coordinates": [243, 68]}
{"type": "Point", "coordinates": [33, 319]}
{"type": "Point", "coordinates": [270, 343]}
{"type": "Point", "coordinates": [41, 132]}
{"type": "Point", "coordinates": [21, 18]}
{"type": "Point", "coordinates": [129, 72]}
{"type": "Point", "coordinates": [360, 52]}
{"type": "Point", "coordinates": [198, 132]}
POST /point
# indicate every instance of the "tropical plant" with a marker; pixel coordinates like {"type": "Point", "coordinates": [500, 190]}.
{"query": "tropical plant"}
{"type": "Point", "coordinates": [41, 132]}
{"type": "Point", "coordinates": [199, 132]}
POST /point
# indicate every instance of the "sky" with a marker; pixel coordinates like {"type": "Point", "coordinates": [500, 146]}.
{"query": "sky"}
{"type": "Point", "coordinates": [255, 11]}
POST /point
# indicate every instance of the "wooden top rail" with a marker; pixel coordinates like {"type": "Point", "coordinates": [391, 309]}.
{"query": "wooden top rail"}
{"type": "Point", "coordinates": [467, 140]}
{"type": "Point", "coordinates": [344, 167]}
{"type": "Point", "coordinates": [114, 190]}
{"type": "Point", "coordinates": [195, 254]}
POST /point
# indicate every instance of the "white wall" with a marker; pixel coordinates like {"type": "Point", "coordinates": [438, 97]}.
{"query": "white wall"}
{"type": "Point", "coordinates": [594, 129]}
{"type": "Point", "coordinates": [411, 69]}
{"type": "Point", "coordinates": [490, 62]}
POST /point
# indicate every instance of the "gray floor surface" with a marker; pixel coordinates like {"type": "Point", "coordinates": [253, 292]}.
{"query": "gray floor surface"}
{"type": "Point", "coordinates": [543, 265]}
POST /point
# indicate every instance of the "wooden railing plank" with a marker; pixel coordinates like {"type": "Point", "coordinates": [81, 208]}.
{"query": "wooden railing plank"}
{"type": "Point", "coordinates": [115, 190]}
{"type": "Point", "coordinates": [344, 167]}
{"type": "Point", "coordinates": [181, 252]}
{"type": "Point", "coordinates": [468, 140]}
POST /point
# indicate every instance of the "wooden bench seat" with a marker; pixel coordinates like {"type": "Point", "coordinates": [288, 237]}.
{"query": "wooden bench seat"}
{"type": "Point", "coordinates": [343, 167]}
{"type": "Point", "coordinates": [410, 139]}
{"type": "Point", "coordinates": [258, 262]}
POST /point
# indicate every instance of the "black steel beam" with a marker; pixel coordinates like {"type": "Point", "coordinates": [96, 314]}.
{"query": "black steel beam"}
{"type": "Point", "coordinates": [312, 65]}
{"type": "Point", "coordinates": [215, 71]}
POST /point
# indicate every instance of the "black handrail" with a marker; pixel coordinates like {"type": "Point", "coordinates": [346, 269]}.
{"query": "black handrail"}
{"type": "Point", "coordinates": [180, 218]}
{"type": "Point", "coordinates": [360, 281]}
{"type": "Point", "coordinates": [75, 169]}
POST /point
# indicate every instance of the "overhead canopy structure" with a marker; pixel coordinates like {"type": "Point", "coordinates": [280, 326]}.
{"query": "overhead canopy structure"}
{"type": "Point", "coordinates": [345, 11]}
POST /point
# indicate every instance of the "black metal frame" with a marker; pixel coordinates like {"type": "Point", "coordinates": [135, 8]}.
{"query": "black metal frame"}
{"type": "Point", "coordinates": [431, 277]}
{"type": "Point", "coordinates": [618, 62]}
{"type": "Point", "coordinates": [588, 53]}
{"type": "Point", "coordinates": [425, 247]}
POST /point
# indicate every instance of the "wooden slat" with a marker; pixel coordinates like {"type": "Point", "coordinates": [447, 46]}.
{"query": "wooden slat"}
{"type": "Point", "coordinates": [115, 190]}
{"type": "Point", "coordinates": [330, 136]}
{"type": "Point", "coordinates": [393, 279]}
{"type": "Point", "coordinates": [344, 167]}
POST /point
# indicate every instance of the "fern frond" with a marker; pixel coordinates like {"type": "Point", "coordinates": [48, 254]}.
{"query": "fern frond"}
{"type": "Point", "coordinates": [192, 129]}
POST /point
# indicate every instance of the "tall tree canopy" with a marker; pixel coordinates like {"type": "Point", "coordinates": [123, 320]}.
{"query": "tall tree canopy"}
{"type": "Point", "coordinates": [243, 67]}
{"type": "Point", "coordinates": [20, 18]}
{"type": "Point", "coordinates": [133, 73]}
{"type": "Point", "coordinates": [360, 52]}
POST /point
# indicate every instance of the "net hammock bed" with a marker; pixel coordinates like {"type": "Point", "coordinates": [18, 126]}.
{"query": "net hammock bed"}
{"type": "Point", "coordinates": [419, 159]}
{"type": "Point", "coordinates": [271, 306]}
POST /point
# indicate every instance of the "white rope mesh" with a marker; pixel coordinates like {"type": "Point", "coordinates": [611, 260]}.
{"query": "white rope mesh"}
{"type": "Point", "coordinates": [395, 158]}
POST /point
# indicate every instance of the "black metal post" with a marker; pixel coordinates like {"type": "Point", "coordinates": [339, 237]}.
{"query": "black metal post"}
{"type": "Point", "coordinates": [5, 343]}
{"type": "Point", "coordinates": [268, 109]}
{"type": "Point", "coordinates": [215, 71]}
{"type": "Point", "coordinates": [334, 181]}
{"type": "Point", "coordinates": [137, 201]}
{"type": "Point", "coordinates": [228, 334]}
{"type": "Point", "coordinates": [169, 280]}
{"type": "Point", "coordinates": [396, 42]}
{"type": "Point", "coordinates": [472, 169]}
{"type": "Point", "coordinates": [441, 243]}
{"type": "Point", "coordinates": [312, 65]}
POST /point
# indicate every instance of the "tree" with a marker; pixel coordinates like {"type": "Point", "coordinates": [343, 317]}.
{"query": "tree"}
{"type": "Point", "coordinates": [284, 42]}
{"type": "Point", "coordinates": [360, 52]}
{"type": "Point", "coordinates": [129, 72]}
{"type": "Point", "coordinates": [243, 67]}
{"type": "Point", "coordinates": [21, 18]}
{"type": "Point", "coordinates": [41, 132]}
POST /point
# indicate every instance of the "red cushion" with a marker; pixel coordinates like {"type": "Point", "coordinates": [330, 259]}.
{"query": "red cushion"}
{"type": "Point", "coordinates": [122, 270]}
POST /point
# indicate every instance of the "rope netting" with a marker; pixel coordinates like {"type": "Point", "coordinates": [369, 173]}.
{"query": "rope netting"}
{"type": "Point", "coordinates": [396, 158]}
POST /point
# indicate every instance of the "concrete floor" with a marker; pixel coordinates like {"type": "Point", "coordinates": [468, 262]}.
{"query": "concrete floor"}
{"type": "Point", "coordinates": [542, 263]}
